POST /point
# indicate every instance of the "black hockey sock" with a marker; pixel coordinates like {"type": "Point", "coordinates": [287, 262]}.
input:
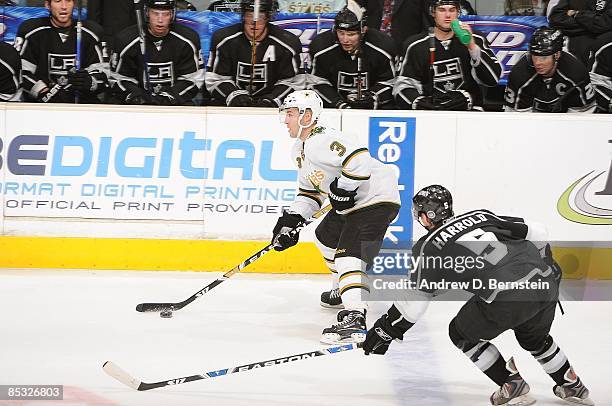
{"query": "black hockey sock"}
{"type": "Point", "coordinates": [553, 360]}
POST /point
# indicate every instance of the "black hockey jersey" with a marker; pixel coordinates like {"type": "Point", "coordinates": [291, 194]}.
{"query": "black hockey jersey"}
{"type": "Point", "coordinates": [336, 73]}
{"type": "Point", "coordinates": [48, 53]}
{"type": "Point", "coordinates": [10, 73]}
{"type": "Point", "coordinates": [594, 16]}
{"type": "Point", "coordinates": [601, 73]}
{"type": "Point", "coordinates": [569, 89]}
{"type": "Point", "coordinates": [276, 71]}
{"type": "Point", "coordinates": [481, 253]}
{"type": "Point", "coordinates": [454, 69]}
{"type": "Point", "coordinates": [174, 64]}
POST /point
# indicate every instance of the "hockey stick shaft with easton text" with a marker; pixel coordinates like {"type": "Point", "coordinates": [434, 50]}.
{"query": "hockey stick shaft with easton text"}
{"type": "Point", "coordinates": [256, 8]}
{"type": "Point", "coordinates": [119, 374]}
{"type": "Point", "coordinates": [79, 40]}
{"type": "Point", "coordinates": [156, 307]}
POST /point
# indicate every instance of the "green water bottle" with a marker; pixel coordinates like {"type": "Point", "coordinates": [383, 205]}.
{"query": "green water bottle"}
{"type": "Point", "coordinates": [464, 35]}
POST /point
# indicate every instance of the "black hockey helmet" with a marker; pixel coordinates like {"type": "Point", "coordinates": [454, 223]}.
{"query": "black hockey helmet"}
{"type": "Point", "coordinates": [435, 3]}
{"type": "Point", "coordinates": [545, 41]}
{"type": "Point", "coordinates": [435, 201]}
{"type": "Point", "coordinates": [160, 5]}
{"type": "Point", "coordinates": [269, 7]}
{"type": "Point", "coordinates": [351, 18]}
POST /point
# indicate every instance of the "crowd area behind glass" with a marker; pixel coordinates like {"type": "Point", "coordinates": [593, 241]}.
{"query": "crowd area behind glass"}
{"type": "Point", "coordinates": [380, 54]}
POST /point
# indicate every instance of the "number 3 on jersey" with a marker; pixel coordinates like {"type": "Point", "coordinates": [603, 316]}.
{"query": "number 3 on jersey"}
{"type": "Point", "coordinates": [479, 241]}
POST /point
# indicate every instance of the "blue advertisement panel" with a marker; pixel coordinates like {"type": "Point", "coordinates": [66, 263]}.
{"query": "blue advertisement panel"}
{"type": "Point", "coordinates": [508, 35]}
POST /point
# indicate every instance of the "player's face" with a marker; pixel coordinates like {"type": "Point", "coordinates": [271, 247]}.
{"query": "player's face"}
{"type": "Point", "coordinates": [349, 40]}
{"type": "Point", "coordinates": [291, 118]}
{"type": "Point", "coordinates": [61, 12]}
{"type": "Point", "coordinates": [545, 65]}
{"type": "Point", "coordinates": [257, 28]}
{"type": "Point", "coordinates": [443, 15]}
{"type": "Point", "coordinates": [159, 21]}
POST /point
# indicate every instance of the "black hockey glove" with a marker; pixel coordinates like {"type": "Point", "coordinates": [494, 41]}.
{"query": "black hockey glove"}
{"type": "Point", "coordinates": [282, 237]}
{"type": "Point", "coordinates": [82, 81]}
{"type": "Point", "coordinates": [390, 326]}
{"type": "Point", "coordinates": [423, 103]}
{"type": "Point", "coordinates": [56, 94]}
{"type": "Point", "coordinates": [341, 104]}
{"type": "Point", "coordinates": [242, 100]}
{"type": "Point", "coordinates": [454, 100]}
{"type": "Point", "coordinates": [164, 99]}
{"type": "Point", "coordinates": [339, 198]}
{"type": "Point", "coordinates": [366, 102]}
{"type": "Point", "coordinates": [266, 102]}
{"type": "Point", "coordinates": [138, 97]}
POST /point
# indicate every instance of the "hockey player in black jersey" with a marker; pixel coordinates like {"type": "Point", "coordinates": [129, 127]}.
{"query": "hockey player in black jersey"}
{"type": "Point", "coordinates": [353, 65]}
{"type": "Point", "coordinates": [48, 49]}
{"type": "Point", "coordinates": [507, 266]}
{"type": "Point", "coordinates": [171, 71]}
{"type": "Point", "coordinates": [457, 70]}
{"type": "Point", "coordinates": [254, 63]}
{"type": "Point", "coordinates": [601, 73]}
{"type": "Point", "coordinates": [548, 79]}
{"type": "Point", "coordinates": [10, 73]}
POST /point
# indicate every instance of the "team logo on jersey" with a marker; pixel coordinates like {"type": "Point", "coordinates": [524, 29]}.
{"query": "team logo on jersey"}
{"type": "Point", "coordinates": [448, 75]}
{"type": "Point", "coordinates": [589, 199]}
{"type": "Point", "coordinates": [161, 74]}
{"type": "Point", "coordinates": [59, 65]}
{"type": "Point", "coordinates": [316, 178]}
{"type": "Point", "coordinates": [600, 5]}
{"type": "Point", "coordinates": [260, 75]}
{"type": "Point", "coordinates": [348, 81]}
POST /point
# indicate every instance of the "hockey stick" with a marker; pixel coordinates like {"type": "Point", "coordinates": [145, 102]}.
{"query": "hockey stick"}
{"type": "Point", "coordinates": [156, 307]}
{"type": "Point", "coordinates": [432, 62]}
{"type": "Point", "coordinates": [119, 374]}
{"type": "Point", "coordinates": [256, 8]}
{"type": "Point", "coordinates": [79, 38]}
{"type": "Point", "coordinates": [143, 48]}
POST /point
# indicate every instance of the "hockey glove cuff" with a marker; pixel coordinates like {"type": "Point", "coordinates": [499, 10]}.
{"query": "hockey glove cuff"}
{"type": "Point", "coordinates": [423, 103]}
{"type": "Point", "coordinates": [56, 94]}
{"type": "Point", "coordinates": [341, 104]}
{"type": "Point", "coordinates": [266, 102]}
{"type": "Point", "coordinates": [454, 100]}
{"type": "Point", "coordinates": [283, 234]}
{"type": "Point", "coordinates": [339, 198]}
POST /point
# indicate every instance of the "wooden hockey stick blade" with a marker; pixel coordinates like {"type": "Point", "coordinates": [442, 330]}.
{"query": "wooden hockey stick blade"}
{"type": "Point", "coordinates": [119, 374]}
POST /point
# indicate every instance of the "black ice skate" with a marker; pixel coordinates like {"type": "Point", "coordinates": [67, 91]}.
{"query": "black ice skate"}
{"type": "Point", "coordinates": [331, 299]}
{"type": "Point", "coordinates": [514, 391]}
{"type": "Point", "coordinates": [351, 328]}
{"type": "Point", "coordinates": [574, 390]}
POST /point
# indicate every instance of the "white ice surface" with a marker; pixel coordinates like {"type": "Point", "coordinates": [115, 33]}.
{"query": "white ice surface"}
{"type": "Point", "coordinates": [59, 327]}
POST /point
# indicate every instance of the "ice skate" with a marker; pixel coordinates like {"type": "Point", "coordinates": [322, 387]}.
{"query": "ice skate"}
{"type": "Point", "coordinates": [331, 299]}
{"type": "Point", "coordinates": [351, 328]}
{"type": "Point", "coordinates": [515, 391]}
{"type": "Point", "coordinates": [574, 390]}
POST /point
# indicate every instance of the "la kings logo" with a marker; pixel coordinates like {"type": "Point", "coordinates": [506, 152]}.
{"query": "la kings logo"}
{"type": "Point", "coordinates": [600, 5]}
{"type": "Point", "coordinates": [260, 75]}
{"type": "Point", "coordinates": [448, 75]}
{"type": "Point", "coordinates": [59, 65]}
{"type": "Point", "coordinates": [347, 81]}
{"type": "Point", "coordinates": [161, 74]}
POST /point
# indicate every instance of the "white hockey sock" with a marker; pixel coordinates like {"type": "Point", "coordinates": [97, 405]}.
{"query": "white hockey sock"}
{"type": "Point", "coordinates": [353, 283]}
{"type": "Point", "coordinates": [328, 255]}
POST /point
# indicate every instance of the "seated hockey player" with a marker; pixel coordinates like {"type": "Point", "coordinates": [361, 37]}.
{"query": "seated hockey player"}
{"type": "Point", "coordinates": [353, 65]}
{"type": "Point", "coordinates": [548, 79]}
{"type": "Point", "coordinates": [10, 73]}
{"type": "Point", "coordinates": [254, 62]}
{"type": "Point", "coordinates": [172, 59]}
{"type": "Point", "coordinates": [48, 49]}
{"type": "Point", "coordinates": [458, 69]}
{"type": "Point", "coordinates": [509, 252]}
{"type": "Point", "coordinates": [601, 73]}
{"type": "Point", "coordinates": [365, 198]}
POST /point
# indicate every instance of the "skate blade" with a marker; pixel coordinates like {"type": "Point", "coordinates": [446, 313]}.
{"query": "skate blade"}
{"type": "Point", "coordinates": [578, 401]}
{"type": "Point", "coordinates": [336, 339]}
{"type": "Point", "coordinates": [523, 400]}
{"type": "Point", "coordinates": [328, 306]}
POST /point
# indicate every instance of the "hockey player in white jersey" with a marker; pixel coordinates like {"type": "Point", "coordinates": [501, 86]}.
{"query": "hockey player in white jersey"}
{"type": "Point", "coordinates": [365, 199]}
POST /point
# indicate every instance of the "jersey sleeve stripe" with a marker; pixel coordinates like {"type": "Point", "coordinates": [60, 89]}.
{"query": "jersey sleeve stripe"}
{"type": "Point", "coordinates": [313, 197]}
{"type": "Point", "coordinates": [354, 177]}
{"type": "Point", "coordinates": [352, 155]}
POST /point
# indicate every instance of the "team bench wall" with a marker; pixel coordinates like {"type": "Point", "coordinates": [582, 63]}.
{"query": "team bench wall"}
{"type": "Point", "coordinates": [200, 188]}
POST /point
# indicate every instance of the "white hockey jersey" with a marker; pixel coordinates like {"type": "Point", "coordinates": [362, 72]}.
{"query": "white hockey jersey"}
{"type": "Point", "coordinates": [328, 154]}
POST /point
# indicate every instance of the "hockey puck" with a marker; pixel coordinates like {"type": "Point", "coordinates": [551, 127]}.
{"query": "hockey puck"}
{"type": "Point", "coordinates": [166, 314]}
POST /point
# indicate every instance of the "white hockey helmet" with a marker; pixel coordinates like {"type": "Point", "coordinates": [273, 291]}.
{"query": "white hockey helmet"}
{"type": "Point", "coordinates": [303, 100]}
